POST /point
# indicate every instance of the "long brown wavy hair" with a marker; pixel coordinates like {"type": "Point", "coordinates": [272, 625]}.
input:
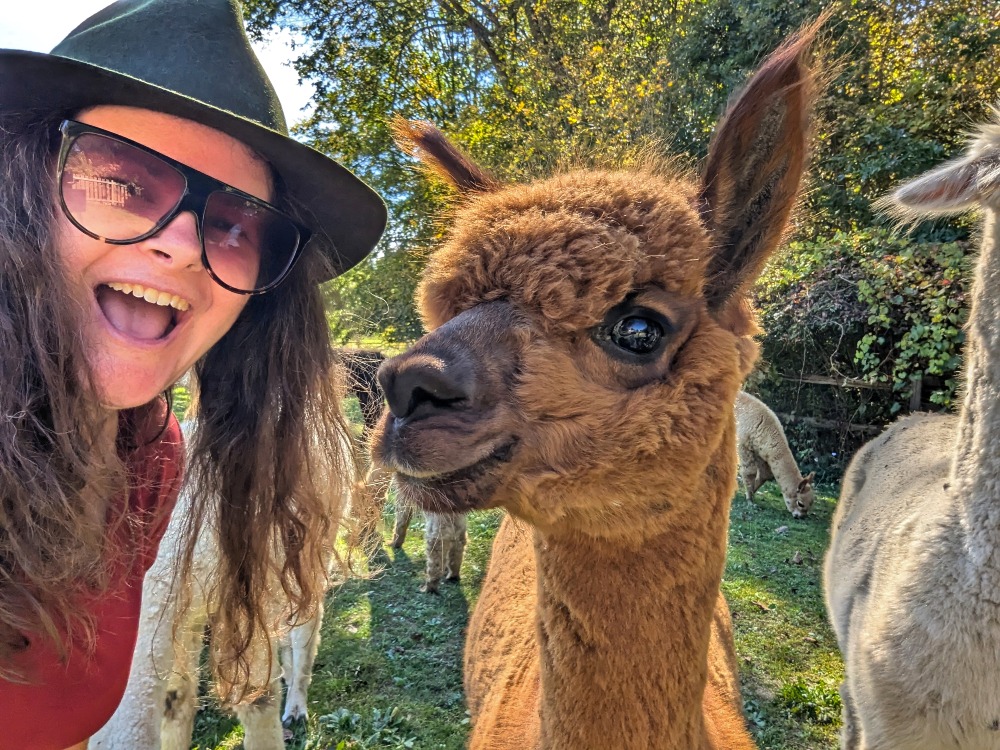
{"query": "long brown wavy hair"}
{"type": "Point", "coordinates": [269, 460]}
{"type": "Point", "coordinates": [54, 476]}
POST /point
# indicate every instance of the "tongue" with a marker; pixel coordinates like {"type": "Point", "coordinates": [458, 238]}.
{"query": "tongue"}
{"type": "Point", "coordinates": [133, 316]}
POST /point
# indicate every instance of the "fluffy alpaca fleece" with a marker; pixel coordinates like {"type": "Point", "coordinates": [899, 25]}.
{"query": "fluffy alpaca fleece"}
{"type": "Point", "coordinates": [764, 454]}
{"type": "Point", "coordinates": [585, 329]}
{"type": "Point", "coordinates": [160, 701]}
{"type": "Point", "coordinates": [444, 536]}
{"type": "Point", "coordinates": [913, 571]}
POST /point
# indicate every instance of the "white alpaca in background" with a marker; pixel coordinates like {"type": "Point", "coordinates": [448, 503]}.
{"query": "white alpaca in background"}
{"type": "Point", "coordinates": [764, 454]}
{"type": "Point", "coordinates": [160, 702]}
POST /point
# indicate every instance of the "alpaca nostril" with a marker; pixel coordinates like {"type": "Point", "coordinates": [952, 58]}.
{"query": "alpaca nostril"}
{"type": "Point", "coordinates": [423, 386]}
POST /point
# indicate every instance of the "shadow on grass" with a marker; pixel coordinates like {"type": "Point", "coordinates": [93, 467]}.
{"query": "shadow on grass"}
{"type": "Point", "coordinates": [389, 650]}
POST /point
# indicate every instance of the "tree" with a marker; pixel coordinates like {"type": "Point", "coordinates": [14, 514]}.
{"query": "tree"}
{"type": "Point", "coordinates": [529, 85]}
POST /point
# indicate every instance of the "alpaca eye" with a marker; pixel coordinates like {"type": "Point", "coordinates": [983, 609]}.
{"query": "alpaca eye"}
{"type": "Point", "coordinates": [636, 335]}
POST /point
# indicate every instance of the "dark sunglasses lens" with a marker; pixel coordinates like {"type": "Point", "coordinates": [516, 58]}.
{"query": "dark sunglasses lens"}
{"type": "Point", "coordinates": [249, 244]}
{"type": "Point", "coordinates": [115, 190]}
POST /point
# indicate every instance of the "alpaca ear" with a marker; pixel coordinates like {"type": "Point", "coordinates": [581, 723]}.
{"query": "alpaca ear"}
{"type": "Point", "coordinates": [807, 481]}
{"type": "Point", "coordinates": [952, 188]}
{"type": "Point", "coordinates": [754, 166]}
{"type": "Point", "coordinates": [425, 142]}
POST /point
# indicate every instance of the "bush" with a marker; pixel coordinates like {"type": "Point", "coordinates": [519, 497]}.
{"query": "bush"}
{"type": "Point", "coordinates": [867, 306]}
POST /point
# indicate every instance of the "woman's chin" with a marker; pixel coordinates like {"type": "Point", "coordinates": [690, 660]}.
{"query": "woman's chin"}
{"type": "Point", "coordinates": [128, 388]}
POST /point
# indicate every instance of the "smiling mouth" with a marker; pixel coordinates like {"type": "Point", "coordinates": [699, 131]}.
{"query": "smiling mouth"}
{"type": "Point", "coordinates": [142, 313]}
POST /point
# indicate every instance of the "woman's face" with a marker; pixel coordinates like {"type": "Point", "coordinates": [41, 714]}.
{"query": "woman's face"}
{"type": "Point", "coordinates": [137, 349]}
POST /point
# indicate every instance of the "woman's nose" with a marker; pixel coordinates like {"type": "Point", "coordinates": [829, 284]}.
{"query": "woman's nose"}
{"type": "Point", "coordinates": [178, 243]}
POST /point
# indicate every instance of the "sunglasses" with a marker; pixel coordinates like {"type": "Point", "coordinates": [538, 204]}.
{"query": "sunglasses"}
{"type": "Point", "coordinates": [121, 192]}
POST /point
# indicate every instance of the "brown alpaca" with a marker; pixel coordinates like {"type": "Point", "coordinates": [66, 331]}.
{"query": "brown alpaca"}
{"type": "Point", "coordinates": [589, 333]}
{"type": "Point", "coordinates": [445, 538]}
{"type": "Point", "coordinates": [360, 371]}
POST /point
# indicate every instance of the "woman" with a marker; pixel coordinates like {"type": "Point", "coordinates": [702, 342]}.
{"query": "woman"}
{"type": "Point", "coordinates": [154, 217]}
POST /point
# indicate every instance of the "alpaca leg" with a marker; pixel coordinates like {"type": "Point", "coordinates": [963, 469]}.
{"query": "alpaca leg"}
{"type": "Point", "coordinates": [456, 549]}
{"type": "Point", "coordinates": [404, 513]}
{"type": "Point", "coordinates": [261, 720]}
{"type": "Point", "coordinates": [757, 473]}
{"type": "Point", "coordinates": [298, 666]}
{"type": "Point", "coordinates": [286, 656]}
{"type": "Point", "coordinates": [850, 736]}
{"type": "Point", "coordinates": [180, 703]}
{"type": "Point", "coordinates": [435, 561]}
{"type": "Point", "coordinates": [747, 479]}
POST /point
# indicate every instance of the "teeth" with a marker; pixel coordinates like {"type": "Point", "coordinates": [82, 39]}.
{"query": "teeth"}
{"type": "Point", "coordinates": [154, 296]}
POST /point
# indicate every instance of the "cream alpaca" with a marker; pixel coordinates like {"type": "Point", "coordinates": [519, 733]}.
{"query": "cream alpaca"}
{"type": "Point", "coordinates": [585, 330]}
{"type": "Point", "coordinates": [444, 538]}
{"type": "Point", "coordinates": [158, 709]}
{"type": "Point", "coordinates": [764, 454]}
{"type": "Point", "coordinates": [913, 570]}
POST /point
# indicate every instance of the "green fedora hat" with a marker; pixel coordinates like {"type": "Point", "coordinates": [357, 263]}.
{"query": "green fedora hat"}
{"type": "Point", "coordinates": [192, 59]}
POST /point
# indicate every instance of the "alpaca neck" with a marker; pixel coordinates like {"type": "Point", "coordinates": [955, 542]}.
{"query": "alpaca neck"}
{"type": "Point", "coordinates": [977, 460]}
{"type": "Point", "coordinates": [786, 472]}
{"type": "Point", "coordinates": [623, 634]}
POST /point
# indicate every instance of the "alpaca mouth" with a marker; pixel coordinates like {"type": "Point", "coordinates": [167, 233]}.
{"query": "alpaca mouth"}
{"type": "Point", "coordinates": [464, 489]}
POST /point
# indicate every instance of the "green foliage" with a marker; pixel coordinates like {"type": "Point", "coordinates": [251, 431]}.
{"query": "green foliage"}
{"type": "Point", "coordinates": [819, 703]}
{"type": "Point", "coordinates": [916, 309]}
{"type": "Point", "coordinates": [871, 305]}
{"type": "Point", "coordinates": [385, 729]}
{"type": "Point", "coordinates": [180, 400]}
{"type": "Point", "coordinates": [913, 77]}
{"type": "Point", "coordinates": [375, 299]}
{"type": "Point", "coordinates": [867, 305]}
{"type": "Point", "coordinates": [527, 86]}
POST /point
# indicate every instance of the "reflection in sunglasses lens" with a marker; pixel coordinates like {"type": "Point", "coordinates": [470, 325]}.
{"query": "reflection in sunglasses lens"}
{"type": "Point", "coordinates": [116, 191]}
{"type": "Point", "coordinates": [248, 244]}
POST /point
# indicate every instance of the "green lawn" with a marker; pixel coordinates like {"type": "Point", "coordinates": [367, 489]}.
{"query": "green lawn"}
{"type": "Point", "coordinates": [388, 674]}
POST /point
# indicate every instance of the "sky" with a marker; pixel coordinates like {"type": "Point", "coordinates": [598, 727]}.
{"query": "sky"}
{"type": "Point", "coordinates": [39, 25]}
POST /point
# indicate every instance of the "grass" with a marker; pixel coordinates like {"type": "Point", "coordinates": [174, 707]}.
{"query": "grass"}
{"type": "Point", "coordinates": [790, 667]}
{"type": "Point", "coordinates": [388, 674]}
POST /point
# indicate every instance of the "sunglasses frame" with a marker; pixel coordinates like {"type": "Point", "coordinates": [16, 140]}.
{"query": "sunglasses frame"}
{"type": "Point", "coordinates": [198, 187]}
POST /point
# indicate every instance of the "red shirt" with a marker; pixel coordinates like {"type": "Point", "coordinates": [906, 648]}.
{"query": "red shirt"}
{"type": "Point", "coordinates": [66, 702]}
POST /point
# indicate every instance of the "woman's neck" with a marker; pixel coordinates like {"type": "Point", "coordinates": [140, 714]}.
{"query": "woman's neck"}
{"type": "Point", "coordinates": [109, 429]}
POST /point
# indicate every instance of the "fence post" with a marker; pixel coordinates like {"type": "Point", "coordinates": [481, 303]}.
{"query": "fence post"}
{"type": "Point", "coordinates": [916, 388]}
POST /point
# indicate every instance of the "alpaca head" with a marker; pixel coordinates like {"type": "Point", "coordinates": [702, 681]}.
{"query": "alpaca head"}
{"type": "Point", "coordinates": [588, 332]}
{"type": "Point", "coordinates": [803, 498]}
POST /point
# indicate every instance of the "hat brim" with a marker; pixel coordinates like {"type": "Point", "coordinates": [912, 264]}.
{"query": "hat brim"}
{"type": "Point", "coordinates": [341, 206]}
